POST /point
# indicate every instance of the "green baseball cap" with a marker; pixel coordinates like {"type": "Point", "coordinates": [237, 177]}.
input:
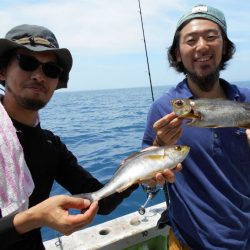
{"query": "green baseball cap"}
{"type": "Point", "coordinates": [37, 38]}
{"type": "Point", "coordinates": [205, 12]}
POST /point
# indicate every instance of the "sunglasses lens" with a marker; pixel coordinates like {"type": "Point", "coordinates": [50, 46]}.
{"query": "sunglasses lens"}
{"type": "Point", "coordinates": [52, 70]}
{"type": "Point", "coordinates": [28, 63]}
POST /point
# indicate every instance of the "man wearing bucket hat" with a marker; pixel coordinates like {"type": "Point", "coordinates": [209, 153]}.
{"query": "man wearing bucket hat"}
{"type": "Point", "coordinates": [209, 204]}
{"type": "Point", "coordinates": [32, 67]}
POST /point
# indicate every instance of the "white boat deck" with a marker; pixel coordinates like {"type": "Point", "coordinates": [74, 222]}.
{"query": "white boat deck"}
{"type": "Point", "coordinates": [117, 234]}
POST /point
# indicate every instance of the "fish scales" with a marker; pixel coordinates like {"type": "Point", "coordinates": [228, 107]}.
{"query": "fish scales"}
{"type": "Point", "coordinates": [213, 113]}
{"type": "Point", "coordinates": [139, 167]}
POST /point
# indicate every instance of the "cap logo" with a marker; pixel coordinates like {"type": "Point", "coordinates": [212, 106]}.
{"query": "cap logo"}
{"type": "Point", "coordinates": [201, 8]}
{"type": "Point", "coordinates": [33, 41]}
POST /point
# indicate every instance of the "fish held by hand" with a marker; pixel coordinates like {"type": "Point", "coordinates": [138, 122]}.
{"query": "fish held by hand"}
{"type": "Point", "coordinates": [213, 113]}
{"type": "Point", "coordinates": [140, 167]}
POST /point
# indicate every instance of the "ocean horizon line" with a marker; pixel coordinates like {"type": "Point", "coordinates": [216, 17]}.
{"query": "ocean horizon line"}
{"type": "Point", "coordinates": [137, 87]}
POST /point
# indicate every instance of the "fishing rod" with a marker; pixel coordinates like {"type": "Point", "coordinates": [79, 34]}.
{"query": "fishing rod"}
{"type": "Point", "coordinates": [150, 192]}
{"type": "Point", "coordinates": [145, 45]}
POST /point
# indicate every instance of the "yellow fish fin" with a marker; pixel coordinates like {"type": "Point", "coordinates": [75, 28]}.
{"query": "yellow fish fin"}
{"type": "Point", "coordinates": [154, 157]}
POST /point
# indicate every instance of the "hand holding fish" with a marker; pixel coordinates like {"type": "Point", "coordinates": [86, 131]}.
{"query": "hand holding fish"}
{"type": "Point", "coordinates": [167, 175]}
{"type": "Point", "coordinates": [168, 130]}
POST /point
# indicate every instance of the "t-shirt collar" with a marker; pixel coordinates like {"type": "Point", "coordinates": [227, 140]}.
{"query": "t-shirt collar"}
{"type": "Point", "coordinates": [231, 91]}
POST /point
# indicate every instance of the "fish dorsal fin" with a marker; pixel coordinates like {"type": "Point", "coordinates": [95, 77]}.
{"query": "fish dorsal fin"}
{"type": "Point", "coordinates": [130, 157]}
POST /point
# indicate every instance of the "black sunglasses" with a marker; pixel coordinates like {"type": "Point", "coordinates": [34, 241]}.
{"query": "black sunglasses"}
{"type": "Point", "coordinates": [30, 63]}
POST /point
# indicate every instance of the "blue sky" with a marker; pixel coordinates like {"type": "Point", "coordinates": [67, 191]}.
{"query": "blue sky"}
{"type": "Point", "coordinates": [106, 41]}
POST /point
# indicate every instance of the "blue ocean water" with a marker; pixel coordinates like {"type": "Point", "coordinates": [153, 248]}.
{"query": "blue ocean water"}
{"type": "Point", "coordinates": [101, 128]}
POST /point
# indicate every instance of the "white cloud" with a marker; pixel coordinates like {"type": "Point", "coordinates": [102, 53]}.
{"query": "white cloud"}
{"type": "Point", "coordinates": [111, 26]}
{"type": "Point", "coordinates": [107, 25]}
{"type": "Point", "coordinates": [106, 40]}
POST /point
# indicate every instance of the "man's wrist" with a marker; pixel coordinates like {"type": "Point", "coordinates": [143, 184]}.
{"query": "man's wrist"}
{"type": "Point", "coordinates": [25, 221]}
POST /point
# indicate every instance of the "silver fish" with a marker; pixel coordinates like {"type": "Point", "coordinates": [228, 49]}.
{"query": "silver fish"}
{"type": "Point", "coordinates": [213, 113]}
{"type": "Point", "coordinates": [140, 167]}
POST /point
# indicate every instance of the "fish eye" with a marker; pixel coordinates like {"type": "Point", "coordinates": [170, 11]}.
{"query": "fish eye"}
{"type": "Point", "coordinates": [179, 103]}
{"type": "Point", "coordinates": [178, 148]}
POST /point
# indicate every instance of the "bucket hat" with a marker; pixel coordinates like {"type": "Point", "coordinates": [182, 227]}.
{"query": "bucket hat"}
{"type": "Point", "coordinates": [205, 12]}
{"type": "Point", "coordinates": [39, 39]}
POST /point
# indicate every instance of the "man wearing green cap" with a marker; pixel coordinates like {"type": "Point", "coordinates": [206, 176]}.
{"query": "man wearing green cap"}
{"type": "Point", "coordinates": [32, 67]}
{"type": "Point", "coordinates": [209, 203]}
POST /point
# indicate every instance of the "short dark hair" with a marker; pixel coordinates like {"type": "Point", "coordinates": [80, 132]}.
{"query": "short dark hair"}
{"type": "Point", "coordinates": [179, 67]}
{"type": "Point", "coordinates": [4, 59]}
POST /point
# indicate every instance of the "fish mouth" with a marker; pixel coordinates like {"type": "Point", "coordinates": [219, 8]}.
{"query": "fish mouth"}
{"type": "Point", "coordinates": [192, 114]}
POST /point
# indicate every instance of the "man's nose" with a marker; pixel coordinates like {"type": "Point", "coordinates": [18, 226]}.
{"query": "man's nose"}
{"type": "Point", "coordinates": [201, 44]}
{"type": "Point", "coordinates": [38, 74]}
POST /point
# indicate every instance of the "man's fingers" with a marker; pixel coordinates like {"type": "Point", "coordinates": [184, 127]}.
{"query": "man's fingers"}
{"type": "Point", "coordinates": [75, 202]}
{"type": "Point", "coordinates": [160, 179]}
{"type": "Point", "coordinates": [178, 167]}
{"type": "Point", "coordinates": [167, 175]}
{"type": "Point", "coordinates": [84, 218]}
{"type": "Point", "coordinates": [164, 121]}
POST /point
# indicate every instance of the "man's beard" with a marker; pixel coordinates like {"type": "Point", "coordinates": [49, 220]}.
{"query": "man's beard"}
{"type": "Point", "coordinates": [27, 103]}
{"type": "Point", "coordinates": [30, 103]}
{"type": "Point", "coordinates": [207, 82]}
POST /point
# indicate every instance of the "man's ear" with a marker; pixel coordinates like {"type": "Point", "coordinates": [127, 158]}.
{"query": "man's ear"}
{"type": "Point", "coordinates": [2, 74]}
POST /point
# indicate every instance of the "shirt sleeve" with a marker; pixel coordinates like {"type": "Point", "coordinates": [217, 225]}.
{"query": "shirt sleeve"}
{"type": "Point", "coordinates": [8, 233]}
